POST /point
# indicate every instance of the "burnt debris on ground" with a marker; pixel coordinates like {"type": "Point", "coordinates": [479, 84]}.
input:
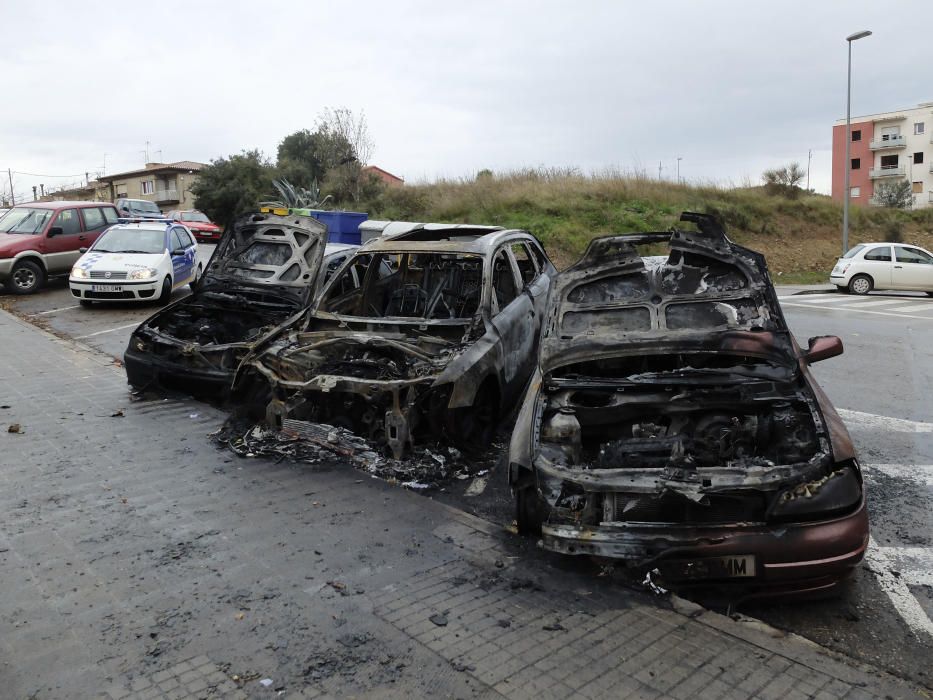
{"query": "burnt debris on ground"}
{"type": "Point", "coordinates": [425, 468]}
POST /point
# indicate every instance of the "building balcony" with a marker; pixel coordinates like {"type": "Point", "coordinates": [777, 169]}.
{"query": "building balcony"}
{"type": "Point", "coordinates": [895, 171]}
{"type": "Point", "coordinates": [890, 142]}
{"type": "Point", "coordinates": [165, 197]}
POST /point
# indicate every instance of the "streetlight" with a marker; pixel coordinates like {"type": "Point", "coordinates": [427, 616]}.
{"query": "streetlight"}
{"type": "Point", "coordinates": [679, 158]}
{"type": "Point", "coordinates": [845, 195]}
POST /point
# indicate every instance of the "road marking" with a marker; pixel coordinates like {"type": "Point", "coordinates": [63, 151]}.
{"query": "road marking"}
{"type": "Point", "coordinates": [926, 306]}
{"type": "Point", "coordinates": [817, 298]}
{"type": "Point", "coordinates": [897, 569]}
{"type": "Point", "coordinates": [55, 311]}
{"type": "Point", "coordinates": [854, 307]}
{"type": "Point", "coordinates": [919, 473]}
{"type": "Point", "coordinates": [109, 330]}
{"type": "Point", "coordinates": [878, 302]}
{"type": "Point", "coordinates": [871, 420]}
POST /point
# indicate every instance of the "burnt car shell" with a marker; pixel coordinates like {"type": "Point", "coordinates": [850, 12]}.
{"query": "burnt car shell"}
{"type": "Point", "coordinates": [263, 272]}
{"type": "Point", "coordinates": [673, 423]}
{"type": "Point", "coordinates": [420, 349]}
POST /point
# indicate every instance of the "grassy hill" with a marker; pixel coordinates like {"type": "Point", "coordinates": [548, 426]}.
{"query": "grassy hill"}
{"type": "Point", "coordinates": [801, 237]}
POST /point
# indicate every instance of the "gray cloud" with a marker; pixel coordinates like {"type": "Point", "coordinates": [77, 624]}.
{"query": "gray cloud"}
{"type": "Point", "coordinates": [731, 87]}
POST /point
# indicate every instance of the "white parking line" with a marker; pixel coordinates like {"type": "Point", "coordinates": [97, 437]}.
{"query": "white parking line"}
{"type": "Point", "coordinates": [877, 302]}
{"type": "Point", "coordinates": [871, 420]}
{"type": "Point", "coordinates": [816, 298]}
{"type": "Point", "coordinates": [921, 474]}
{"type": "Point", "coordinates": [927, 306]}
{"type": "Point", "coordinates": [109, 330]}
{"type": "Point", "coordinates": [55, 311]}
{"type": "Point", "coordinates": [854, 307]}
{"type": "Point", "coordinates": [897, 569]}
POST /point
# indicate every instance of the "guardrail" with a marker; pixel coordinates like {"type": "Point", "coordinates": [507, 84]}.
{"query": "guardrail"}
{"type": "Point", "coordinates": [897, 171]}
{"type": "Point", "coordinates": [891, 142]}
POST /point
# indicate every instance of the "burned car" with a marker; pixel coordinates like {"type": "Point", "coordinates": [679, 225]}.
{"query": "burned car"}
{"type": "Point", "coordinates": [431, 333]}
{"type": "Point", "coordinates": [264, 271]}
{"type": "Point", "coordinates": [673, 424]}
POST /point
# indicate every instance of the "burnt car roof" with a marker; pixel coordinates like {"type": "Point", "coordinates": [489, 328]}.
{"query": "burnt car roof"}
{"type": "Point", "coordinates": [253, 252]}
{"type": "Point", "coordinates": [454, 238]}
{"type": "Point", "coordinates": [708, 294]}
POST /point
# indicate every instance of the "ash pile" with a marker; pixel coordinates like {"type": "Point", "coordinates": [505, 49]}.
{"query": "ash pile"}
{"type": "Point", "coordinates": [422, 469]}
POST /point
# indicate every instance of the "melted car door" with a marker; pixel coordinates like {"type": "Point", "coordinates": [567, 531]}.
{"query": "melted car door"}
{"type": "Point", "coordinates": [515, 320]}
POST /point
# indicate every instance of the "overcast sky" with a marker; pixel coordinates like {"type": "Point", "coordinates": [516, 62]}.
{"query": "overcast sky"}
{"type": "Point", "coordinates": [730, 87]}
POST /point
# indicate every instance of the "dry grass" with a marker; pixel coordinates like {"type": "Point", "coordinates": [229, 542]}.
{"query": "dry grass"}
{"type": "Point", "coordinates": [566, 209]}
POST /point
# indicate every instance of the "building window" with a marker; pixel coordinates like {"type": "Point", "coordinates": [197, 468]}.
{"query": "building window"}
{"type": "Point", "coordinates": [857, 135]}
{"type": "Point", "coordinates": [918, 157]}
{"type": "Point", "coordinates": [888, 162]}
{"type": "Point", "coordinates": [146, 187]}
{"type": "Point", "coordinates": [121, 190]}
{"type": "Point", "coordinates": [889, 133]}
{"type": "Point", "coordinates": [918, 188]}
{"type": "Point", "coordinates": [855, 192]}
{"type": "Point", "coordinates": [918, 128]}
{"type": "Point", "coordinates": [856, 163]}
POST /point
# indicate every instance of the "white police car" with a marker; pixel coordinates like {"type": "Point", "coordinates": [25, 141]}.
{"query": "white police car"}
{"type": "Point", "coordinates": [136, 262]}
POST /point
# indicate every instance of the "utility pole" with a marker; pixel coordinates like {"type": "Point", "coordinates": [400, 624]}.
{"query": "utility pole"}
{"type": "Point", "coordinates": [659, 170]}
{"type": "Point", "coordinates": [809, 159]}
{"type": "Point", "coordinates": [679, 158]}
{"type": "Point", "coordinates": [34, 188]}
{"type": "Point", "coordinates": [9, 172]}
{"type": "Point", "coordinates": [147, 151]}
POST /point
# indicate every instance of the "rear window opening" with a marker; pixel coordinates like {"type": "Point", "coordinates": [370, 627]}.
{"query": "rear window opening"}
{"type": "Point", "coordinates": [429, 286]}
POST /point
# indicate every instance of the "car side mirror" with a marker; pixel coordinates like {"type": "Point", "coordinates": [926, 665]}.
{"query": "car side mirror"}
{"type": "Point", "coordinates": [822, 347]}
{"type": "Point", "coordinates": [82, 250]}
{"type": "Point", "coordinates": [56, 231]}
{"type": "Point", "coordinates": [178, 251]}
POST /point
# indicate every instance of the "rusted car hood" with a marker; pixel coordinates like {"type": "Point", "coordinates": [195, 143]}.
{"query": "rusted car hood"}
{"type": "Point", "coordinates": [707, 295]}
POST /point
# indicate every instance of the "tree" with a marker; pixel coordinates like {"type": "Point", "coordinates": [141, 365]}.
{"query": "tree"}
{"type": "Point", "coordinates": [894, 195]}
{"type": "Point", "coordinates": [785, 180]}
{"type": "Point", "coordinates": [232, 186]}
{"type": "Point", "coordinates": [299, 158]}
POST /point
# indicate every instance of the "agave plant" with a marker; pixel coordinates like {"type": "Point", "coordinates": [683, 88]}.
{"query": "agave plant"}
{"type": "Point", "coordinates": [292, 197]}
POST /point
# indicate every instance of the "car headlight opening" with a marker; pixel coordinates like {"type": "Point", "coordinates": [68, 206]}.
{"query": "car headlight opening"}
{"type": "Point", "coordinates": [79, 273]}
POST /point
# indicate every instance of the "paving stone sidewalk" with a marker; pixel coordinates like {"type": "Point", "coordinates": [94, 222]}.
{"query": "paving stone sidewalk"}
{"type": "Point", "coordinates": [139, 561]}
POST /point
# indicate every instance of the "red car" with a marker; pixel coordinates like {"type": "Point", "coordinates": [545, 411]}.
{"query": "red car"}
{"type": "Point", "coordinates": [204, 229]}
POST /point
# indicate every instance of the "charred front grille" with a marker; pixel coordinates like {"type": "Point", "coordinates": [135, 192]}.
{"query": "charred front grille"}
{"type": "Point", "coordinates": [719, 509]}
{"type": "Point", "coordinates": [102, 275]}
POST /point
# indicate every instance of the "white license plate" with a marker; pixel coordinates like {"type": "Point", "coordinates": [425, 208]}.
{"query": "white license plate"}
{"type": "Point", "coordinates": [106, 288]}
{"type": "Point", "coordinates": [739, 566]}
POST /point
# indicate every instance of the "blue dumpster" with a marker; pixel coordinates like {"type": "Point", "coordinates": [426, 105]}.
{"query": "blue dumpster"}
{"type": "Point", "coordinates": [342, 226]}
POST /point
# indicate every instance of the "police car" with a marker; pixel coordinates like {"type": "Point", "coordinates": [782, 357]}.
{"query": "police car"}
{"type": "Point", "coordinates": [136, 261]}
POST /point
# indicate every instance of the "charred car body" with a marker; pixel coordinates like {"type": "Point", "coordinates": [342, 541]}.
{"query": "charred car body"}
{"type": "Point", "coordinates": [673, 423]}
{"type": "Point", "coordinates": [265, 270]}
{"type": "Point", "coordinates": [429, 333]}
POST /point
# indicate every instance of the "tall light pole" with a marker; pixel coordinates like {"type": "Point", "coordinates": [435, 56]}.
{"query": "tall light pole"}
{"type": "Point", "coordinates": [845, 194]}
{"type": "Point", "coordinates": [679, 158]}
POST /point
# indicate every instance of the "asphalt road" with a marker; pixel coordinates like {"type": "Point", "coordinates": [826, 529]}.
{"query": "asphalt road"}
{"type": "Point", "coordinates": [882, 384]}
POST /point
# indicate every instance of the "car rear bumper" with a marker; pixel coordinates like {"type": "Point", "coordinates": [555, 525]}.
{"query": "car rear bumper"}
{"type": "Point", "coordinates": [121, 290]}
{"type": "Point", "coordinates": [790, 558]}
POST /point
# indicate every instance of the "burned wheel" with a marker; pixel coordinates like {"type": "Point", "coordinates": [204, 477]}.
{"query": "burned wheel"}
{"type": "Point", "coordinates": [473, 428]}
{"type": "Point", "coordinates": [529, 510]}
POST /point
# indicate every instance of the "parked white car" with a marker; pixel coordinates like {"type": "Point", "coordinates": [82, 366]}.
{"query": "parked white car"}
{"type": "Point", "coordinates": [137, 262]}
{"type": "Point", "coordinates": [870, 266]}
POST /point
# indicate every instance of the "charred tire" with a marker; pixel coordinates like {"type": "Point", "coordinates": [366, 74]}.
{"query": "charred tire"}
{"type": "Point", "coordinates": [27, 277]}
{"type": "Point", "coordinates": [166, 292]}
{"type": "Point", "coordinates": [861, 284]}
{"type": "Point", "coordinates": [473, 428]}
{"type": "Point", "coordinates": [530, 510]}
{"type": "Point", "coordinates": [197, 277]}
